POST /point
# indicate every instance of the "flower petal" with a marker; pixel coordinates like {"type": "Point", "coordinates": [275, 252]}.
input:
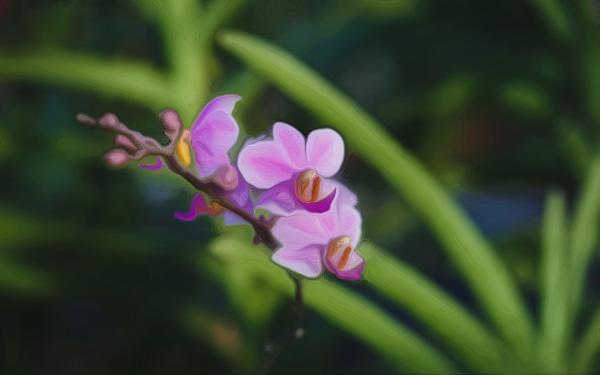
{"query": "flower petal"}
{"type": "Point", "coordinates": [198, 207]}
{"type": "Point", "coordinates": [153, 167]}
{"type": "Point", "coordinates": [299, 231]}
{"type": "Point", "coordinates": [354, 273]}
{"type": "Point", "coordinates": [325, 151]}
{"type": "Point", "coordinates": [214, 132]}
{"type": "Point", "coordinates": [241, 197]}
{"type": "Point", "coordinates": [305, 262]}
{"type": "Point", "coordinates": [350, 224]}
{"type": "Point", "coordinates": [292, 142]}
{"type": "Point", "coordinates": [264, 165]}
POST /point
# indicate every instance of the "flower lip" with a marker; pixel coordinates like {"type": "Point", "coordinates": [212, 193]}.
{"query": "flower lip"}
{"type": "Point", "coordinates": [334, 247]}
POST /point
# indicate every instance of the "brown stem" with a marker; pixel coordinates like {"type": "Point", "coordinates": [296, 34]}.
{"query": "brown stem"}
{"type": "Point", "coordinates": [149, 146]}
{"type": "Point", "coordinates": [262, 228]}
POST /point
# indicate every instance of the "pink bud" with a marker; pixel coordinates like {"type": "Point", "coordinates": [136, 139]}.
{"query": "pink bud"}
{"type": "Point", "coordinates": [123, 141]}
{"type": "Point", "coordinates": [117, 157]}
{"type": "Point", "coordinates": [227, 178]}
{"type": "Point", "coordinates": [109, 120]}
{"type": "Point", "coordinates": [171, 122]}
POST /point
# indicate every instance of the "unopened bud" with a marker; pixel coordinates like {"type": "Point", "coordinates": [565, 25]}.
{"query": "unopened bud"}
{"type": "Point", "coordinates": [117, 157]}
{"type": "Point", "coordinates": [109, 120]}
{"type": "Point", "coordinates": [171, 122]}
{"type": "Point", "coordinates": [123, 141]}
{"type": "Point", "coordinates": [227, 178]}
{"type": "Point", "coordinates": [85, 119]}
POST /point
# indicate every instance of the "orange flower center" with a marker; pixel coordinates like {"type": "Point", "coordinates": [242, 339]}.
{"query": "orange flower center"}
{"type": "Point", "coordinates": [308, 186]}
{"type": "Point", "coordinates": [340, 243]}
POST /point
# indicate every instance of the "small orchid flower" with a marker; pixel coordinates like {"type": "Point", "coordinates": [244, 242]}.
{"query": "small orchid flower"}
{"type": "Point", "coordinates": [213, 134]}
{"type": "Point", "coordinates": [313, 240]}
{"type": "Point", "coordinates": [294, 169]}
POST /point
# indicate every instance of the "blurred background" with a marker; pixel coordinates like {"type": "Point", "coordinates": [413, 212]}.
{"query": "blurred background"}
{"type": "Point", "coordinates": [497, 100]}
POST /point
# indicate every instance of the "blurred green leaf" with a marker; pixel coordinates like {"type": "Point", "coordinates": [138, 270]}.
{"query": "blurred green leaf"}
{"type": "Point", "coordinates": [463, 333]}
{"type": "Point", "coordinates": [135, 81]}
{"type": "Point", "coordinates": [556, 17]}
{"type": "Point", "coordinates": [574, 146]}
{"type": "Point", "coordinates": [584, 234]}
{"type": "Point", "coordinates": [554, 284]}
{"type": "Point", "coordinates": [342, 307]}
{"type": "Point", "coordinates": [245, 286]}
{"type": "Point", "coordinates": [21, 279]}
{"type": "Point", "coordinates": [524, 97]}
{"type": "Point", "coordinates": [587, 349]}
{"type": "Point", "coordinates": [487, 276]}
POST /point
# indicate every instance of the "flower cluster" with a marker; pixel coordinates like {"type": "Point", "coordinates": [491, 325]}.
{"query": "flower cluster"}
{"type": "Point", "coordinates": [313, 222]}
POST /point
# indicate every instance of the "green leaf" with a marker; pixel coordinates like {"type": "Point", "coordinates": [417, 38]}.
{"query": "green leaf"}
{"type": "Point", "coordinates": [344, 308]}
{"type": "Point", "coordinates": [555, 284]}
{"type": "Point", "coordinates": [22, 279]}
{"type": "Point", "coordinates": [135, 81]}
{"type": "Point", "coordinates": [450, 321]}
{"type": "Point", "coordinates": [556, 17]}
{"type": "Point", "coordinates": [587, 350]}
{"type": "Point", "coordinates": [584, 234]}
{"type": "Point", "coordinates": [467, 247]}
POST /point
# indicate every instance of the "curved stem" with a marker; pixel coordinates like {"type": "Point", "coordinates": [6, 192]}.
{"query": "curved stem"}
{"type": "Point", "coordinates": [262, 228]}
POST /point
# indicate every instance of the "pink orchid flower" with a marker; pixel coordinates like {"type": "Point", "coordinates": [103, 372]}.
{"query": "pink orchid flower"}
{"type": "Point", "coordinates": [213, 134]}
{"type": "Point", "coordinates": [311, 241]}
{"type": "Point", "coordinates": [294, 169]}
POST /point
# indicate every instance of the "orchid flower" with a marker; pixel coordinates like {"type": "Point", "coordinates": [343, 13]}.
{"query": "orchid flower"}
{"type": "Point", "coordinates": [311, 241]}
{"type": "Point", "coordinates": [294, 169]}
{"type": "Point", "coordinates": [213, 134]}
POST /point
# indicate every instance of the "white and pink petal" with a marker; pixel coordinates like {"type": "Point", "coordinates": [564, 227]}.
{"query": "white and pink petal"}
{"type": "Point", "coordinates": [325, 151]}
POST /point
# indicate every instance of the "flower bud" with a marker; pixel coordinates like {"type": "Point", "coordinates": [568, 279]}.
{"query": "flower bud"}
{"type": "Point", "coordinates": [171, 122]}
{"type": "Point", "coordinates": [227, 178]}
{"type": "Point", "coordinates": [117, 157]}
{"type": "Point", "coordinates": [123, 141]}
{"type": "Point", "coordinates": [109, 120]}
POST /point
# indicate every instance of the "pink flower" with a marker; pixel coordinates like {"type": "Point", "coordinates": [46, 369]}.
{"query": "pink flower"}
{"type": "Point", "coordinates": [213, 134]}
{"type": "Point", "coordinates": [294, 169]}
{"type": "Point", "coordinates": [313, 240]}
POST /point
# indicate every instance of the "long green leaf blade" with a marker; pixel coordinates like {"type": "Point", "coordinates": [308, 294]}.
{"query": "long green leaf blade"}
{"type": "Point", "coordinates": [135, 81]}
{"type": "Point", "coordinates": [485, 273]}
{"type": "Point", "coordinates": [555, 284]}
{"type": "Point", "coordinates": [463, 333]}
{"type": "Point", "coordinates": [588, 348]}
{"type": "Point", "coordinates": [584, 234]}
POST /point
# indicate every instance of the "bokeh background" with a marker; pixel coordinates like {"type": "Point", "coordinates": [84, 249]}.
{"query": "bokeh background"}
{"type": "Point", "coordinates": [496, 99]}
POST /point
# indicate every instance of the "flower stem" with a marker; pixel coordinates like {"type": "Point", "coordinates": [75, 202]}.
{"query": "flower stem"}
{"type": "Point", "coordinates": [149, 146]}
{"type": "Point", "coordinates": [261, 227]}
